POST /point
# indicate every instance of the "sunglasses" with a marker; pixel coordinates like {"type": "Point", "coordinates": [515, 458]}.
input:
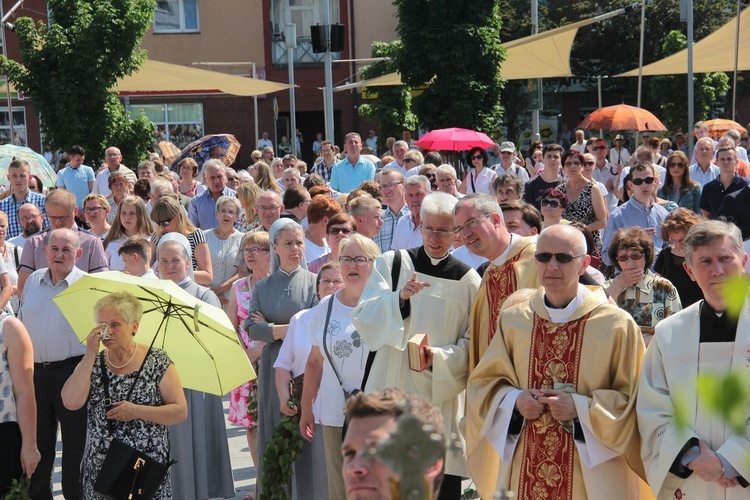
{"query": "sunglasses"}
{"type": "Point", "coordinates": [647, 180]}
{"type": "Point", "coordinates": [598, 148]}
{"type": "Point", "coordinates": [476, 157]}
{"type": "Point", "coordinates": [164, 223]}
{"type": "Point", "coordinates": [562, 258]}
{"type": "Point", "coordinates": [681, 165]}
{"type": "Point", "coordinates": [631, 256]}
{"type": "Point", "coordinates": [339, 230]}
{"type": "Point", "coordinates": [551, 203]}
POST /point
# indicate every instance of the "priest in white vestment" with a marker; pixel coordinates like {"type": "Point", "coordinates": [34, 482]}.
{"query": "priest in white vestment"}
{"type": "Point", "coordinates": [551, 405]}
{"type": "Point", "coordinates": [433, 294]}
{"type": "Point", "coordinates": [703, 458]}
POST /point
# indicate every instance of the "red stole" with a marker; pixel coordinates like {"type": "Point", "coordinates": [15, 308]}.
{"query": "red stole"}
{"type": "Point", "coordinates": [548, 452]}
{"type": "Point", "coordinates": [501, 282]}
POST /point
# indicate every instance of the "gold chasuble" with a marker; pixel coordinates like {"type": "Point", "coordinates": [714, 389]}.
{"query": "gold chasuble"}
{"type": "Point", "coordinates": [499, 282]}
{"type": "Point", "coordinates": [596, 356]}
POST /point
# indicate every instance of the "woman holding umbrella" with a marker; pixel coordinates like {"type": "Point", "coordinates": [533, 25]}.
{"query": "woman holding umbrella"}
{"type": "Point", "coordinates": [146, 374]}
{"type": "Point", "coordinates": [480, 177]}
{"type": "Point", "coordinates": [189, 186]}
{"type": "Point", "coordinates": [289, 289]}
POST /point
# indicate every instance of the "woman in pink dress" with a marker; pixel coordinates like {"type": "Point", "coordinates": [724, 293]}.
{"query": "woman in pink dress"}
{"type": "Point", "coordinates": [243, 401]}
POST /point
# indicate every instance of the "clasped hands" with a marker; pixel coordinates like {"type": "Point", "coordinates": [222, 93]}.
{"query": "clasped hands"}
{"type": "Point", "coordinates": [532, 403]}
{"type": "Point", "coordinates": [708, 467]}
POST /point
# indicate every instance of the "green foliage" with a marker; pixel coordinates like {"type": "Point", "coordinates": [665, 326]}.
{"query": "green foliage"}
{"type": "Point", "coordinates": [457, 43]}
{"type": "Point", "coordinates": [19, 489]}
{"type": "Point", "coordinates": [727, 396]}
{"type": "Point", "coordinates": [707, 89]}
{"type": "Point", "coordinates": [282, 450]}
{"type": "Point", "coordinates": [69, 71]}
{"type": "Point", "coordinates": [392, 108]}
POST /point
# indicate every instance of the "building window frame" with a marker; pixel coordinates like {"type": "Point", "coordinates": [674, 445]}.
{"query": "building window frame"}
{"type": "Point", "coordinates": [184, 9]}
{"type": "Point", "coordinates": [172, 129]}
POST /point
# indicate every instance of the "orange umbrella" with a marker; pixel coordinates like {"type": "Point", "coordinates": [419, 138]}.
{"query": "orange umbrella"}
{"type": "Point", "coordinates": [720, 126]}
{"type": "Point", "coordinates": [622, 117]}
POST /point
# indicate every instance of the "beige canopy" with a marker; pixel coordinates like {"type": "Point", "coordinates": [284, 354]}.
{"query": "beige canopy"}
{"type": "Point", "coordinates": [713, 53]}
{"type": "Point", "coordinates": [161, 77]}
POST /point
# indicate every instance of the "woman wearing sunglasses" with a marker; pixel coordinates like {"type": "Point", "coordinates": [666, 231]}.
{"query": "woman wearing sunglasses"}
{"type": "Point", "coordinates": [553, 205]}
{"type": "Point", "coordinates": [480, 177]}
{"type": "Point", "coordinates": [647, 297]}
{"type": "Point", "coordinates": [339, 227]}
{"type": "Point", "coordinates": [678, 187]}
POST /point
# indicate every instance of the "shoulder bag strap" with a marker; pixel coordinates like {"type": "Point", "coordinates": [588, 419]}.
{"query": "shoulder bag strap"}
{"type": "Point", "coordinates": [16, 257]}
{"type": "Point", "coordinates": [325, 345]}
{"type": "Point", "coordinates": [471, 176]}
{"type": "Point", "coordinates": [395, 274]}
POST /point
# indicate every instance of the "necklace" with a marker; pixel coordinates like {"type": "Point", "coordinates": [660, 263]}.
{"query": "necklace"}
{"type": "Point", "coordinates": [121, 366]}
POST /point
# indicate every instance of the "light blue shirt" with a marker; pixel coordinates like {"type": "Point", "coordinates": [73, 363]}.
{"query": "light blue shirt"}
{"type": "Point", "coordinates": [697, 175]}
{"type": "Point", "coordinates": [202, 210]}
{"type": "Point", "coordinates": [631, 214]}
{"type": "Point", "coordinates": [346, 177]}
{"type": "Point", "coordinates": [76, 180]}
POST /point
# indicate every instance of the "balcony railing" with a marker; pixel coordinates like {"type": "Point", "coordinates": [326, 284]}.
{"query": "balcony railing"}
{"type": "Point", "coordinates": [303, 54]}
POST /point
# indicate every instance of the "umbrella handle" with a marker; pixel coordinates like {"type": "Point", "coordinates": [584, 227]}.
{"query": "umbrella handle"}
{"type": "Point", "coordinates": [196, 310]}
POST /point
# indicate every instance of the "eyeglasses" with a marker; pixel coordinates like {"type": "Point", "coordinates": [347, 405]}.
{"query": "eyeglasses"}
{"type": "Point", "coordinates": [506, 152]}
{"type": "Point", "coordinates": [681, 165]}
{"type": "Point", "coordinates": [28, 218]}
{"type": "Point", "coordinates": [59, 218]}
{"type": "Point", "coordinates": [409, 160]}
{"type": "Point", "coordinates": [92, 210]}
{"type": "Point", "coordinates": [254, 250]}
{"type": "Point", "coordinates": [428, 231]}
{"type": "Point", "coordinates": [332, 282]}
{"type": "Point", "coordinates": [470, 224]}
{"type": "Point", "coordinates": [589, 163]}
{"type": "Point", "coordinates": [572, 164]}
{"type": "Point", "coordinates": [113, 155]}
{"type": "Point", "coordinates": [339, 230]}
{"type": "Point", "coordinates": [598, 148]}
{"type": "Point", "coordinates": [354, 261]}
{"type": "Point", "coordinates": [647, 180]}
{"type": "Point", "coordinates": [164, 223]}
{"type": "Point", "coordinates": [390, 185]}
{"type": "Point", "coordinates": [561, 258]}
{"type": "Point", "coordinates": [551, 203]}
{"type": "Point", "coordinates": [630, 256]}
{"type": "Point", "coordinates": [476, 157]}
{"type": "Point", "coordinates": [273, 208]}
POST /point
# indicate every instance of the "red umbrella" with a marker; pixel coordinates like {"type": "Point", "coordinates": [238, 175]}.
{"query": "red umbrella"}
{"type": "Point", "coordinates": [622, 117]}
{"type": "Point", "coordinates": [454, 139]}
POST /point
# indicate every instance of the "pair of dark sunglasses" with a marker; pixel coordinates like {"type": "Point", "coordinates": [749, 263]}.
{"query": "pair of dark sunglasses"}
{"type": "Point", "coordinates": [551, 203]}
{"type": "Point", "coordinates": [562, 258]}
{"type": "Point", "coordinates": [164, 223]}
{"type": "Point", "coordinates": [647, 180]}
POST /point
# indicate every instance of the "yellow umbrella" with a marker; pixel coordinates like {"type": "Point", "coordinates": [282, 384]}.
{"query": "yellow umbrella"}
{"type": "Point", "coordinates": [198, 337]}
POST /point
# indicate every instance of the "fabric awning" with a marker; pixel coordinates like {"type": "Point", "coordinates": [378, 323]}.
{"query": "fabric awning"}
{"type": "Point", "coordinates": [544, 55]}
{"type": "Point", "coordinates": [160, 77]}
{"type": "Point", "coordinates": [713, 53]}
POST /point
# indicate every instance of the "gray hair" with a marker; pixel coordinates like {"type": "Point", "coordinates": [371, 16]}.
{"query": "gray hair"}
{"type": "Point", "coordinates": [162, 185]}
{"type": "Point", "coordinates": [706, 232]}
{"type": "Point", "coordinates": [437, 203]}
{"type": "Point", "coordinates": [228, 199]}
{"type": "Point", "coordinates": [418, 179]}
{"type": "Point", "coordinates": [508, 179]}
{"type": "Point", "coordinates": [415, 155]}
{"type": "Point", "coordinates": [291, 170]}
{"type": "Point", "coordinates": [363, 204]}
{"type": "Point", "coordinates": [735, 135]}
{"type": "Point", "coordinates": [401, 144]}
{"type": "Point", "coordinates": [706, 140]}
{"type": "Point", "coordinates": [446, 169]}
{"type": "Point", "coordinates": [214, 163]}
{"type": "Point", "coordinates": [125, 303]}
{"type": "Point", "coordinates": [146, 164]}
{"type": "Point", "coordinates": [485, 203]}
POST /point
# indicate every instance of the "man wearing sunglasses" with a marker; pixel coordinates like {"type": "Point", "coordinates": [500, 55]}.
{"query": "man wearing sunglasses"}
{"type": "Point", "coordinates": [640, 210]}
{"type": "Point", "coordinates": [481, 228]}
{"type": "Point", "coordinates": [558, 388]}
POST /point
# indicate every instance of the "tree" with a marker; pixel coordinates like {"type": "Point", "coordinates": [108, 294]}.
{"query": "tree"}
{"type": "Point", "coordinates": [70, 69]}
{"type": "Point", "coordinates": [707, 88]}
{"type": "Point", "coordinates": [454, 46]}
{"type": "Point", "coordinates": [392, 108]}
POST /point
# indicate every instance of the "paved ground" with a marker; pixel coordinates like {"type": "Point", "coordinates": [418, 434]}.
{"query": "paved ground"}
{"type": "Point", "coordinates": [242, 464]}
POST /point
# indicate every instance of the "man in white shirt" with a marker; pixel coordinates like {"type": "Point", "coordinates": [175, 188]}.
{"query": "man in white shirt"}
{"type": "Point", "coordinates": [112, 158]}
{"type": "Point", "coordinates": [605, 172]}
{"type": "Point", "coordinates": [508, 162]}
{"type": "Point", "coordinates": [580, 144]}
{"type": "Point", "coordinates": [399, 150]}
{"type": "Point", "coordinates": [703, 171]}
{"type": "Point", "coordinates": [264, 142]}
{"type": "Point", "coordinates": [372, 142]}
{"type": "Point", "coordinates": [408, 232]}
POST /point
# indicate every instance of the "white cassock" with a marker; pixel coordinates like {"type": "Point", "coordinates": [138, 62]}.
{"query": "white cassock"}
{"type": "Point", "coordinates": [674, 361]}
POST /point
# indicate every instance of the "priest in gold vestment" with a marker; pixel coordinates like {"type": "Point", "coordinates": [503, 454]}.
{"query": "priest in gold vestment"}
{"type": "Point", "coordinates": [705, 458]}
{"type": "Point", "coordinates": [551, 405]}
{"type": "Point", "coordinates": [480, 225]}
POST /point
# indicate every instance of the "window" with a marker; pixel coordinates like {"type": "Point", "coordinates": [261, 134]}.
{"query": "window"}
{"type": "Point", "coordinates": [176, 16]}
{"type": "Point", "coordinates": [303, 14]}
{"type": "Point", "coordinates": [179, 124]}
{"type": "Point", "coordinates": [19, 126]}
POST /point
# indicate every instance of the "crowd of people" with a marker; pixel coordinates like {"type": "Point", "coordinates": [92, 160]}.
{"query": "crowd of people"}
{"type": "Point", "coordinates": [548, 315]}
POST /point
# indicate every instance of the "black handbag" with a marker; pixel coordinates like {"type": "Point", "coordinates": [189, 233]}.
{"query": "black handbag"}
{"type": "Point", "coordinates": [126, 473]}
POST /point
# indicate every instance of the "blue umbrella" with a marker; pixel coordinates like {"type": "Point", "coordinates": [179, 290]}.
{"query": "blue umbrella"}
{"type": "Point", "coordinates": [200, 150]}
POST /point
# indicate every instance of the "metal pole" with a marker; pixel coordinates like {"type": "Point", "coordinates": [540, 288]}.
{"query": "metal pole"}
{"type": "Point", "coordinates": [691, 102]}
{"type": "Point", "coordinates": [534, 31]}
{"type": "Point", "coordinates": [7, 82]}
{"type": "Point", "coordinates": [255, 110]}
{"type": "Point", "coordinates": [640, 63]}
{"type": "Point", "coordinates": [599, 92]}
{"type": "Point", "coordinates": [736, 61]}
{"type": "Point", "coordinates": [291, 44]}
{"type": "Point", "coordinates": [328, 92]}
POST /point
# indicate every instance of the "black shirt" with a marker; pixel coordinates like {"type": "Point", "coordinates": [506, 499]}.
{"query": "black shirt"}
{"type": "Point", "coordinates": [713, 193]}
{"type": "Point", "coordinates": [533, 190]}
{"type": "Point", "coordinates": [669, 266]}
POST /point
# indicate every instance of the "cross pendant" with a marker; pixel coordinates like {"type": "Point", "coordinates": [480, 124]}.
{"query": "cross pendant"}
{"type": "Point", "coordinates": [288, 290]}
